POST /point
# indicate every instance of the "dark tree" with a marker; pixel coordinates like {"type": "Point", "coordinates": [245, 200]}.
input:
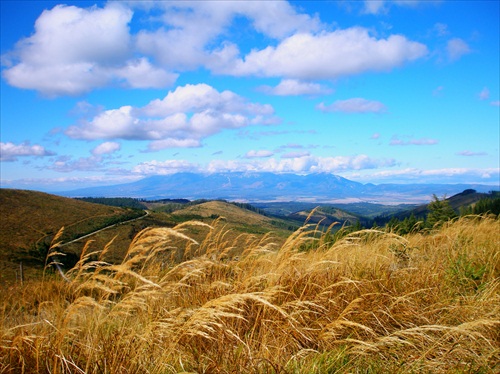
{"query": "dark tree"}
{"type": "Point", "coordinates": [439, 211]}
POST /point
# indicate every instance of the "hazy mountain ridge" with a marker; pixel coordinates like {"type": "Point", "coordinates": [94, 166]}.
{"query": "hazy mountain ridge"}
{"type": "Point", "coordinates": [273, 187]}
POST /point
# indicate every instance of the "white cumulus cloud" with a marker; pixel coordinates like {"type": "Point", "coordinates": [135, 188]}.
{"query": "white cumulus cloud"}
{"type": "Point", "coordinates": [106, 148]}
{"type": "Point", "coordinates": [181, 45]}
{"type": "Point", "coordinates": [181, 119]}
{"type": "Point", "coordinates": [10, 151]}
{"type": "Point", "coordinates": [75, 50]}
{"type": "Point", "coordinates": [328, 55]}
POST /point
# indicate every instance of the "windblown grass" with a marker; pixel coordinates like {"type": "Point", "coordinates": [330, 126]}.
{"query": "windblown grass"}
{"type": "Point", "coordinates": [370, 302]}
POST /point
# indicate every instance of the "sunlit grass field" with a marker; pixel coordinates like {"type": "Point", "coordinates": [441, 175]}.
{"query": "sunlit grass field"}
{"type": "Point", "coordinates": [364, 302]}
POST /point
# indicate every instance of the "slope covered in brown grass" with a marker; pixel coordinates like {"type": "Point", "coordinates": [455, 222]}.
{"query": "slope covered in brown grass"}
{"type": "Point", "coordinates": [236, 218]}
{"type": "Point", "coordinates": [370, 302]}
{"type": "Point", "coordinates": [230, 213]}
{"type": "Point", "coordinates": [30, 218]}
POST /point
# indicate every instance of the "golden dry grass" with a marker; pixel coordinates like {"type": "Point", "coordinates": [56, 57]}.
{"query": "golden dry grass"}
{"type": "Point", "coordinates": [371, 302]}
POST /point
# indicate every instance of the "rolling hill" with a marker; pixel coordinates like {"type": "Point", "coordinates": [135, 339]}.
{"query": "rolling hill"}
{"type": "Point", "coordinates": [238, 218]}
{"type": "Point", "coordinates": [30, 219]}
{"type": "Point", "coordinates": [327, 216]}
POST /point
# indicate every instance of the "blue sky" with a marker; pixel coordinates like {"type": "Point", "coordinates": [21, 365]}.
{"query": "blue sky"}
{"type": "Point", "coordinates": [376, 91]}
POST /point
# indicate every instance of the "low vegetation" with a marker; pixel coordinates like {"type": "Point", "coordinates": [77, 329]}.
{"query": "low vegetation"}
{"type": "Point", "coordinates": [369, 301]}
{"type": "Point", "coordinates": [122, 202]}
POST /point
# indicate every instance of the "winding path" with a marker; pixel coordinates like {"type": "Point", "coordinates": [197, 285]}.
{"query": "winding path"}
{"type": "Point", "coordinates": [58, 266]}
{"type": "Point", "coordinates": [105, 228]}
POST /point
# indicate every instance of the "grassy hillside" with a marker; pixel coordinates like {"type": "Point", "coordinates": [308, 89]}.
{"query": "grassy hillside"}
{"type": "Point", "coordinates": [369, 302]}
{"type": "Point", "coordinates": [242, 220]}
{"type": "Point", "coordinates": [30, 219]}
{"type": "Point", "coordinates": [327, 216]}
{"type": "Point", "coordinates": [235, 220]}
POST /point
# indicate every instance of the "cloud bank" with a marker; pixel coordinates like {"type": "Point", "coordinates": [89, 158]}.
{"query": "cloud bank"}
{"type": "Point", "coordinates": [262, 162]}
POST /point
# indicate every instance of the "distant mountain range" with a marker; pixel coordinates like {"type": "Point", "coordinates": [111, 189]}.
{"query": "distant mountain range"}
{"type": "Point", "coordinates": [254, 187]}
